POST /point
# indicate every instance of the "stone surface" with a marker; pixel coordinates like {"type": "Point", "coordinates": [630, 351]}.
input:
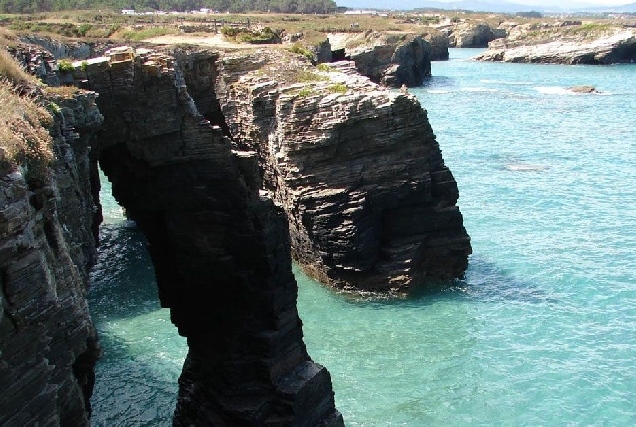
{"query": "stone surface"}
{"type": "Point", "coordinates": [470, 34]}
{"type": "Point", "coordinates": [392, 59]}
{"type": "Point", "coordinates": [583, 89]}
{"type": "Point", "coordinates": [370, 204]}
{"type": "Point", "coordinates": [48, 345]}
{"type": "Point", "coordinates": [219, 244]}
{"type": "Point", "coordinates": [564, 45]}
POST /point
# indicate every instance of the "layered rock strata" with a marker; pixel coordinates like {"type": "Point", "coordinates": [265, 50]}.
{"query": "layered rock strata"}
{"type": "Point", "coordinates": [48, 345]}
{"type": "Point", "coordinates": [564, 45]}
{"type": "Point", "coordinates": [219, 244]}
{"type": "Point", "coordinates": [388, 58]}
{"type": "Point", "coordinates": [471, 35]}
{"type": "Point", "coordinates": [370, 203]}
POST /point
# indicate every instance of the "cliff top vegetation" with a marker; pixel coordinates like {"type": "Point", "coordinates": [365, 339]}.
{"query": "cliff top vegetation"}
{"type": "Point", "coordinates": [24, 139]}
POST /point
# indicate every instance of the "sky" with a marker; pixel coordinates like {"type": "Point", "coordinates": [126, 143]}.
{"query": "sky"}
{"type": "Point", "coordinates": [560, 3]}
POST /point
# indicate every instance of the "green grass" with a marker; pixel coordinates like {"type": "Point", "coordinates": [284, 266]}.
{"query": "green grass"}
{"type": "Point", "coordinates": [303, 76]}
{"type": "Point", "coordinates": [324, 67]}
{"type": "Point", "coordinates": [302, 50]}
{"type": "Point", "coordinates": [305, 92]}
{"type": "Point", "coordinates": [146, 33]}
{"type": "Point", "coordinates": [338, 88]}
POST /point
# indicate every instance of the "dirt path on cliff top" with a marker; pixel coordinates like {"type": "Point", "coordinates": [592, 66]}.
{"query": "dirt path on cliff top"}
{"type": "Point", "coordinates": [216, 40]}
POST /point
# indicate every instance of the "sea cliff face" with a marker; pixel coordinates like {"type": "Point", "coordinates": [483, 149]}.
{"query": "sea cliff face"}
{"type": "Point", "coordinates": [48, 345]}
{"type": "Point", "coordinates": [390, 59]}
{"type": "Point", "coordinates": [228, 163]}
{"type": "Point", "coordinates": [219, 244]}
{"type": "Point", "coordinates": [370, 204]}
{"type": "Point", "coordinates": [565, 43]}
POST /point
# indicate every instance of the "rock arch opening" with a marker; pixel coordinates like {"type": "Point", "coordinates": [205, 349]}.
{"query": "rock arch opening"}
{"type": "Point", "coordinates": [219, 246]}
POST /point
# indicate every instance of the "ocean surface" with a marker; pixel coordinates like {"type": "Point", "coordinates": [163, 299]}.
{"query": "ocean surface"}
{"type": "Point", "coordinates": [542, 331]}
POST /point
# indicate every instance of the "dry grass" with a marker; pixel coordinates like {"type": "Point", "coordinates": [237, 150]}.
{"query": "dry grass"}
{"type": "Point", "coordinates": [10, 69]}
{"type": "Point", "coordinates": [24, 139]}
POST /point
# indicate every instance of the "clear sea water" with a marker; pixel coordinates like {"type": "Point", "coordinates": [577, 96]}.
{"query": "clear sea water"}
{"type": "Point", "coordinates": [542, 331]}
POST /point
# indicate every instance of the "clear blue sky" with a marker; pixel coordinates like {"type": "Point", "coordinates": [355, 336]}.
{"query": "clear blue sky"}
{"type": "Point", "coordinates": [560, 3]}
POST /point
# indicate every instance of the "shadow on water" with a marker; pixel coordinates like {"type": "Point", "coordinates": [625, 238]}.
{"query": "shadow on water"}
{"type": "Point", "coordinates": [438, 82]}
{"type": "Point", "coordinates": [123, 281]}
{"type": "Point", "coordinates": [136, 379]}
{"type": "Point", "coordinates": [485, 282]}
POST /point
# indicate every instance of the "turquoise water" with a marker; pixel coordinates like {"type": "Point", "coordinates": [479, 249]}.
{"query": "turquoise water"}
{"type": "Point", "coordinates": [541, 332]}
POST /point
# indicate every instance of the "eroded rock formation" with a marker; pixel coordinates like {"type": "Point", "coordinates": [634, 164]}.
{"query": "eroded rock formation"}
{"type": "Point", "coordinates": [216, 156]}
{"type": "Point", "coordinates": [370, 203]}
{"type": "Point", "coordinates": [470, 34]}
{"type": "Point", "coordinates": [219, 244]}
{"type": "Point", "coordinates": [564, 44]}
{"type": "Point", "coordinates": [48, 346]}
{"type": "Point", "coordinates": [387, 58]}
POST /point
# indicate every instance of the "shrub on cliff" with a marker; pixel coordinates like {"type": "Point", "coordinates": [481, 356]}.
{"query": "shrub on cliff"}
{"type": "Point", "coordinates": [302, 50]}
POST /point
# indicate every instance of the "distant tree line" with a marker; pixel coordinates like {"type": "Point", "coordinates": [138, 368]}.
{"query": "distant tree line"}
{"type": "Point", "coordinates": [234, 6]}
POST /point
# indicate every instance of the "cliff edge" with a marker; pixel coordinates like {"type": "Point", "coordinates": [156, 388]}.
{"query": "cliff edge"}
{"type": "Point", "coordinates": [565, 43]}
{"type": "Point", "coordinates": [48, 345]}
{"type": "Point", "coordinates": [357, 169]}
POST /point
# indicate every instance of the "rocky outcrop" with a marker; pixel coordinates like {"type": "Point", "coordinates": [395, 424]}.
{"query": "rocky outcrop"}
{"type": "Point", "coordinates": [471, 34]}
{"type": "Point", "coordinates": [565, 45]}
{"type": "Point", "coordinates": [439, 46]}
{"type": "Point", "coordinates": [48, 345]}
{"type": "Point", "coordinates": [392, 59]}
{"type": "Point", "coordinates": [219, 244]}
{"type": "Point", "coordinates": [357, 169]}
{"type": "Point", "coordinates": [220, 158]}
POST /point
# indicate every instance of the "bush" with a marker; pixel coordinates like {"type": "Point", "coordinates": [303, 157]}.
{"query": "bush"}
{"type": "Point", "coordinates": [302, 50]}
{"type": "Point", "coordinates": [65, 66]}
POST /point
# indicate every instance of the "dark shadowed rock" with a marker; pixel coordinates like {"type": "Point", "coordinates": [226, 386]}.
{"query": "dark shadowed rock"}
{"type": "Point", "coordinates": [219, 244]}
{"type": "Point", "coordinates": [369, 201]}
{"type": "Point", "coordinates": [48, 344]}
{"type": "Point", "coordinates": [392, 59]}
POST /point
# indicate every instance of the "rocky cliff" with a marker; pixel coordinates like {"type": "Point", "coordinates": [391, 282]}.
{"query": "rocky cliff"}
{"type": "Point", "coordinates": [391, 59]}
{"type": "Point", "coordinates": [219, 244]}
{"type": "Point", "coordinates": [565, 43]}
{"type": "Point", "coordinates": [357, 169]}
{"type": "Point", "coordinates": [471, 34]}
{"type": "Point", "coordinates": [221, 158]}
{"type": "Point", "coordinates": [48, 346]}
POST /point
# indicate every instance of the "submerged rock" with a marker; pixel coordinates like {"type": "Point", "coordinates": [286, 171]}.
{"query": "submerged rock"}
{"type": "Point", "coordinates": [583, 89]}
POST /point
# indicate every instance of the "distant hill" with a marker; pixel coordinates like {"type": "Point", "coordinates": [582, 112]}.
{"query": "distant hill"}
{"type": "Point", "coordinates": [480, 6]}
{"type": "Point", "coordinates": [475, 5]}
